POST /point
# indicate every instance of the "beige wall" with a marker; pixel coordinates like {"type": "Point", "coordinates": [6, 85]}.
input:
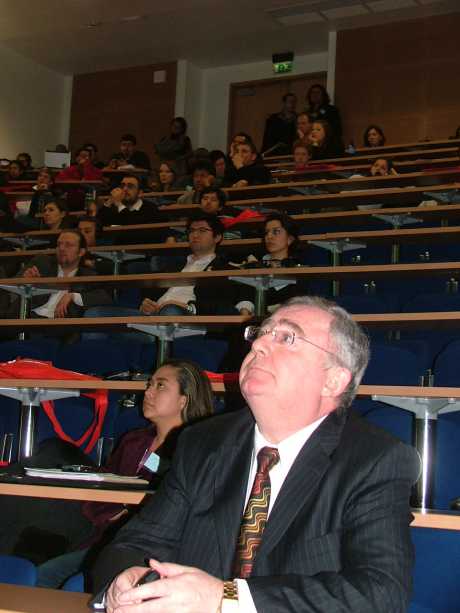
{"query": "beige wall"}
{"type": "Point", "coordinates": [34, 107]}
{"type": "Point", "coordinates": [402, 76]}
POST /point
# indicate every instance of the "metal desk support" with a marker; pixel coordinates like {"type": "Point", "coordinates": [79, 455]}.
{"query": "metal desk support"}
{"type": "Point", "coordinates": [26, 292]}
{"type": "Point", "coordinates": [261, 285]}
{"type": "Point", "coordinates": [337, 247]}
{"type": "Point", "coordinates": [30, 399]}
{"type": "Point", "coordinates": [426, 411]}
{"type": "Point", "coordinates": [166, 335]}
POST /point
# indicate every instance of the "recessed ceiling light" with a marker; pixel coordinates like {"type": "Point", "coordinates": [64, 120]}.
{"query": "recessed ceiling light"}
{"type": "Point", "coordinates": [132, 18]}
{"type": "Point", "coordinates": [93, 24]}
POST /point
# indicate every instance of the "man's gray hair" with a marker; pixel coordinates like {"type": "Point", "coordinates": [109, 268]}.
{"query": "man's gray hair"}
{"type": "Point", "coordinates": [351, 344]}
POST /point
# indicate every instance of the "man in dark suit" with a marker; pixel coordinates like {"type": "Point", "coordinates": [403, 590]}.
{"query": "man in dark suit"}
{"type": "Point", "coordinates": [71, 247]}
{"type": "Point", "coordinates": [337, 536]}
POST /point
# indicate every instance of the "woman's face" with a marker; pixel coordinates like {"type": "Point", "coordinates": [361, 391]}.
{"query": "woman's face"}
{"type": "Point", "coordinates": [166, 175]}
{"type": "Point", "coordinates": [303, 123]}
{"type": "Point", "coordinates": [317, 134]}
{"type": "Point", "coordinates": [277, 240]}
{"type": "Point", "coordinates": [316, 96]}
{"type": "Point", "coordinates": [374, 138]}
{"type": "Point", "coordinates": [15, 170]}
{"type": "Point", "coordinates": [44, 177]}
{"type": "Point", "coordinates": [176, 128]}
{"type": "Point", "coordinates": [52, 215]}
{"type": "Point", "coordinates": [163, 401]}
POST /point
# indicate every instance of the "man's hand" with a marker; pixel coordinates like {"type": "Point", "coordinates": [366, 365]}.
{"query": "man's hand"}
{"type": "Point", "coordinates": [62, 306]}
{"type": "Point", "coordinates": [241, 183]}
{"type": "Point", "coordinates": [181, 589]}
{"type": "Point", "coordinates": [149, 307]}
{"type": "Point", "coordinates": [31, 272]}
{"type": "Point", "coordinates": [237, 161]}
{"type": "Point", "coordinates": [122, 584]}
{"type": "Point", "coordinates": [116, 195]}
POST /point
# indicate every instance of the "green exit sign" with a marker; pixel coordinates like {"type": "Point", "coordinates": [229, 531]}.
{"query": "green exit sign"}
{"type": "Point", "coordinates": [280, 67]}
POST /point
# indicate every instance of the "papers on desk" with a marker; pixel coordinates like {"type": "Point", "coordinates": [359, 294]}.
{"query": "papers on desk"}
{"type": "Point", "coordinates": [57, 473]}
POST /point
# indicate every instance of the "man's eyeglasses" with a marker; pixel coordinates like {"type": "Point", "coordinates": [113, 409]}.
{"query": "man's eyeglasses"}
{"type": "Point", "coordinates": [201, 231]}
{"type": "Point", "coordinates": [283, 337]}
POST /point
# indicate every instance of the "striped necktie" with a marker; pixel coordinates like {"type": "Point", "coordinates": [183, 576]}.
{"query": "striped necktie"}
{"type": "Point", "coordinates": [255, 515]}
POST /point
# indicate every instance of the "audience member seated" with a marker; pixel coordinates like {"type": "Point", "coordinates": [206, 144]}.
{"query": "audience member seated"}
{"type": "Point", "coordinates": [281, 243]}
{"type": "Point", "coordinates": [382, 167]}
{"type": "Point", "coordinates": [125, 207]}
{"type": "Point", "coordinates": [247, 168]}
{"type": "Point", "coordinates": [204, 233]}
{"type": "Point", "coordinates": [219, 159]}
{"type": "Point", "coordinates": [301, 155]}
{"type": "Point", "coordinates": [42, 193]}
{"type": "Point", "coordinates": [374, 136]}
{"type": "Point", "coordinates": [176, 147]}
{"type": "Point", "coordinates": [128, 156]}
{"type": "Point", "coordinates": [91, 229]}
{"type": "Point", "coordinates": [178, 394]}
{"type": "Point", "coordinates": [280, 128]}
{"type": "Point", "coordinates": [55, 215]}
{"type": "Point", "coordinates": [82, 170]}
{"type": "Point", "coordinates": [456, 134]}
{"type": "Point", "coordinates": [93, 150]}
{"type": "Point", "coordinates": [25, 160]}
{"type": "Point", "coordinates": [239, 138]}
{"type": "Point", "coordinates": [319, 107]}
{"type": "Point", "coordinates": [324, 144]}
{"type": "Point", "coordinates": [203, 177]}
{"type": "Point", "coordinates": [303, 128]}
{"type": "Point", "coordinates": [70, 251]}
{"type": "Point", "coordinates": [15, 172]}
{"type": "Point", "coordinates": [167, 175]}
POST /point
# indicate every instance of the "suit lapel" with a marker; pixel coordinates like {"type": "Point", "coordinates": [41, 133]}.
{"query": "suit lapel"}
{"type": "Point", "coordinates": [302, 480]}
{"type": "Point", "coordinates": [233, 465]}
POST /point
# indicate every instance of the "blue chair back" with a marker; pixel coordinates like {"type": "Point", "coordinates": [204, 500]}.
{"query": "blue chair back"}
{"type": "Point", "coordinates": [75, 583]}
{"type": "Point", "coordinates": [17, 571]}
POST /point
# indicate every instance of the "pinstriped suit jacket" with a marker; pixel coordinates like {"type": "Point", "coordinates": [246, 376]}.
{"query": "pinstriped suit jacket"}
{"type": "Point", "coordinates": [337, 538]}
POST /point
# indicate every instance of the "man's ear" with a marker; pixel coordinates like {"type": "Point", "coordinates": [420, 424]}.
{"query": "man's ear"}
{"type": "Point", "coordinates": [337, 381]}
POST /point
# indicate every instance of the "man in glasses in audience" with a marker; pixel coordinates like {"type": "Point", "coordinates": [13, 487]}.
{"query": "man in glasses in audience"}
{"type": "Point", "coordinates": [293, 504]}
{"type": "Point", "coordinates": [204, 232]}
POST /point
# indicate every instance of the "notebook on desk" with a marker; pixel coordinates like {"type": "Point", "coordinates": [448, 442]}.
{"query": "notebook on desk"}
{"type": "Point", "coordinates": [94, 477]}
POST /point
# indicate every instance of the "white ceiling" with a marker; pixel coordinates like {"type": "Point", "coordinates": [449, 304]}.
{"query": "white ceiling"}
{"type": "Point", "coordinates": [78, 36]}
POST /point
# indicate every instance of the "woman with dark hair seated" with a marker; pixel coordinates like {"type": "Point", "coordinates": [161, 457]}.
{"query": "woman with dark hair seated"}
{"type": "Point", "coordinates": [221, 164]}
{"type": "Point", "coordinates": [179, 393]}
{"type": "Point", "coordinates": [281, 245]}
{"type": "Point", "coordinates": [25, 160]}
{"type": "Point", "coordinates": [55, 215]}
{"type": "Point", "coordinates": [374, 136]}
{"type": "Point", "coordinates": [167, 175]}
{"type": "Point", "coordinates": [323, 143]}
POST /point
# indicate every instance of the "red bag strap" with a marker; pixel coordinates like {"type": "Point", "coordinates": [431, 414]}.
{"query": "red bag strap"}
{"type": "Point", "coordinates": [93, 432]}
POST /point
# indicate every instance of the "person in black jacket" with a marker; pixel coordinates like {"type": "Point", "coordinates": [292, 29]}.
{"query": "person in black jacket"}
{"type": "Point", "coordinates": [71, 248]}
{"type": "Point", "coordinates": [125, 207]}
{"type": "Point", "coordinates": [246, 167]}
{"type": "Point", "coordinates": [324, 144]}
{"type": "Point", "coordinates": [280, 128]}
{"type": "Point", "coordinates": [129, 155]}
{"type": "Point", "coordinates": [319, 107]}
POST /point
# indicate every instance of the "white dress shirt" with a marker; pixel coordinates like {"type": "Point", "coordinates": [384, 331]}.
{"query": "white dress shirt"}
{"type": "Point", "coordinates": [288, 450]}
{"type": "Point", "coordinates": [47, 309]}
{"type": "Point", "coordinates": [186, 293]}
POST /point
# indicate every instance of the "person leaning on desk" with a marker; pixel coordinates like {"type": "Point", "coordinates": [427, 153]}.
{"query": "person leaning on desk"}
{"type": "Point", "coordinates": [335, 490]}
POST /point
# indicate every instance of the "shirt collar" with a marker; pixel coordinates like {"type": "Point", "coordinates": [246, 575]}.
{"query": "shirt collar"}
{"type": "Point", "coordinates": [290, 447]}
{"type": "Point", "coordinates": [205, 259]}
{"type": "Point", "coordinates": [136, 206]}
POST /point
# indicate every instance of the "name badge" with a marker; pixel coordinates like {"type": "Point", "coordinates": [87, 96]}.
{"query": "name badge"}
{"type": "Point", "coordinates": [152, 462]}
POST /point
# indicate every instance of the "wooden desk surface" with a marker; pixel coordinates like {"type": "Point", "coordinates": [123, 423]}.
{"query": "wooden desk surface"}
{"type": "Point", "coordinates": [426, 519]}
{"type": "Point", "coordinates": [72, 493]}
{"type": "Point", "coordinates": [190, 278]}
{"type": "Point", "coordinates": [22, 599]}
